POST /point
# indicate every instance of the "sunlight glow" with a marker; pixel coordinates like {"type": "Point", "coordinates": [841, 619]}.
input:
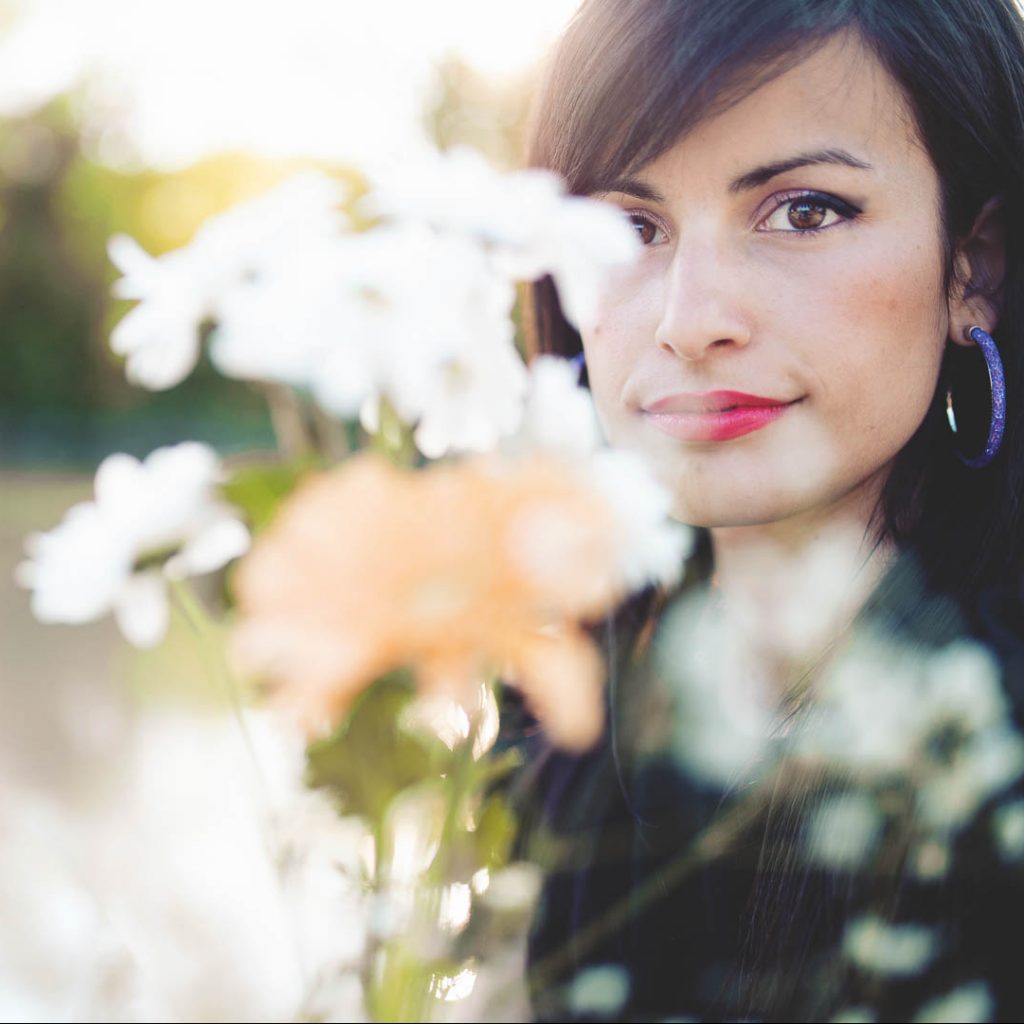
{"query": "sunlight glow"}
{"type": "Point", "coordinates": [169, 81]}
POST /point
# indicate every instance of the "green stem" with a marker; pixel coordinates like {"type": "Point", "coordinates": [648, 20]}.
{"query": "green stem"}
{"type": "Point", "coordinates": [407, 997]}
{"type": "Point", "coordinates": [331, 436]}
{"type": "Point", "coordinates": [288, 421]}
{"type": "Point", "coordinates": [213, 649]}
{"type": "Point", "coordinates": [459, 790]}
{"type": "Point", "coordinates": [393, 438]}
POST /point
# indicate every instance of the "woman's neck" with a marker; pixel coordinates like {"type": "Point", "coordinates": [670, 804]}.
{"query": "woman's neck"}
{"type": "Point", "coordinates": [790, 589]}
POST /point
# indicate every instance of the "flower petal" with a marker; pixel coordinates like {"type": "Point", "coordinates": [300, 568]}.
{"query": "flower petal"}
{"type": "Point", "coordinates": [119, 482]}
{"type": "Point", "coordinates": [160, 342]}
{"type": "Point", "coordinates": [142, 610]}
{"type": "Point", "coordinates": [561, 678]}
{"type": "Point", "coordinates": [75, 570]}
{"type": "Point", "coordinates": [223, 540]}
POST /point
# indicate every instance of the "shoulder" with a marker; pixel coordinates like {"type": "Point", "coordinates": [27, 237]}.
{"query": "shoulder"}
{"type": "Point", "coordinates": [997, 620]}
{"type": "Point", "coordinates": [906, 606]}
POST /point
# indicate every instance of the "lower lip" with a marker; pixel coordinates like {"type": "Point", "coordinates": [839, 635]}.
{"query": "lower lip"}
{"type": "Point", "coordinates": [716, 426]}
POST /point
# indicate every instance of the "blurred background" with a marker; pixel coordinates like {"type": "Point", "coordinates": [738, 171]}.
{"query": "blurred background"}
{"type": "Point", "coordinates": [146, 117]}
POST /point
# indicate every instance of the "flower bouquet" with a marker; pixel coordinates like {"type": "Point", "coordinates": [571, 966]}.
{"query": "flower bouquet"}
{"type": "Point", "coordinates": [439, 521]}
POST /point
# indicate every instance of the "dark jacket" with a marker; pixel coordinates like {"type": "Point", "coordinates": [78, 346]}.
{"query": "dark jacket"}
{"type": "Point", "coordinates": [698, 902]}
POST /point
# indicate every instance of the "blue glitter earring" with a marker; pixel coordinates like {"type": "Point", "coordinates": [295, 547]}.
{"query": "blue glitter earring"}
{"type": "Point", "coordinates": [579, 364]}
{"type": "Point", "coordinates": [997, 386]}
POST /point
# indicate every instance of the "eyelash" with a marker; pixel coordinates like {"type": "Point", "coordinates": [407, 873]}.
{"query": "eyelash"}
{"type": "Point", "coordinates": [847, 211]}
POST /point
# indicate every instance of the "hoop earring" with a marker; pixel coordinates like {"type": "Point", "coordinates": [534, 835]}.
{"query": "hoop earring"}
{"type": "Point", "coordinates": [579, 364]}
{"type": "Point", "coordinates": [997, 387]}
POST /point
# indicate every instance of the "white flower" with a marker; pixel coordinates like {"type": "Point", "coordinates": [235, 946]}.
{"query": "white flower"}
{"type": "Point", "coordinates": [652, 547]}
{"type": "Point", "coordinates": [963, 687]}
{"type": "Point", "coordinates": [884, 702]}
{"type": "Point", "coordinates": [854, 1015]}
{"type": "Point", "coordinates": [427, 323]}
{"type": "Point", "coordinates": [94, 562]}
{"type": "Point", "coordinates": [601, 990]}
{"type": "Point", "coordinates": [516, 887]}
{"type": "Point", "coordinates": [304, 209]}
{"type": "Point", "coordinates": [1008, 822]}
{"type": "Point", "coordinates": [725, 717]}
{"type": "Point", "coordinates": [972, 1002]}
{"type": "Point", "coordinates": [474, 402]}
{"type": "Point", "coordinates": [76, 570]}
{"type": "Point", "coordinates": [460, 192]}
{"type": "Point", "coordinates": [871, 713]}
{"type": "Point", "coordinates": [180, 290]}
{"type": "Point", "coordinates": [454, 370]}
{"type": "Point", "coordinates": [53, 956]}
{"type": "Point", "coordinates": [985, 763]}
{"type": "Point", "coordinates": [417, 310]}
{"type": "Point", "coordinates": [558, 414]}
{"type": "Point", "coordinates": [159, 338]}
{"type": "Point", "coordinates": [844, 830]}
{"type": "Point", "coordinates": [937, 720]}
{"type": "Point", "coordinates": [524, 218]}
{"type": "Point", "coordinates": [583, 241]}
{"type": "Point", "coordinates": [900, 950]}
{"type": "Point", "coordinates": [280, 325]}
{"type": "Point", "coordinates": [559, 417]}
{"type": "Point", "coordinates": [193, 878]}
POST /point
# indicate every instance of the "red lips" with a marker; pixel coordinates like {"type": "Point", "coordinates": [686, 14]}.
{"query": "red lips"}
{"type": "Point", "coordinates": [713, 415]}
{"type": "Point", "coordinates": [710, 401]}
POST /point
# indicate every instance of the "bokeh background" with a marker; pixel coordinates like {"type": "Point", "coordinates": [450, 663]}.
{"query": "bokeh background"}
{"type": "Point", "coordinates": [145, 117]}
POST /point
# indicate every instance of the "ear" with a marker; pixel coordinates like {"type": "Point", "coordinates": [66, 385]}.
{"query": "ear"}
{"type": "Point", "coordinates": [980, 264]}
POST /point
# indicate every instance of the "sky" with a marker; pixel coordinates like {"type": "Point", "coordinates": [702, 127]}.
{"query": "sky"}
{"type": "Point", "coordinates": [166, 82]}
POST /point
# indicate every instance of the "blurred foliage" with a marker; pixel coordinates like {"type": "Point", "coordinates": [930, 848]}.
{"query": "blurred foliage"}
{"type": "Point", "coordinates": [257, 489]}
{"type": "Point", "coordinates": [63, 396]}
{"type": "Point", "coordinates": [372, 734]}
{"type": "Point", "coordinates": [408, 758]}
{"type": "Point", "coordinates": [470, 109]}
{"type": "Point", "coordinates": [49, 307]}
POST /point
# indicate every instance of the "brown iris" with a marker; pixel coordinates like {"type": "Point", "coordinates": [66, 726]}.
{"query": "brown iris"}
{"type": "Point", "coordinates": [646, 229]}
{"type": "Point", "coordinates": [805, 214]}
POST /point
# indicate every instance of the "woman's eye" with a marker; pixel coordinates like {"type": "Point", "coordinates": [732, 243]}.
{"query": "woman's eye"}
{"type": "Point", "coordinates": [647, 230]}
{"type": "Point", "coordinates": [808, 213]}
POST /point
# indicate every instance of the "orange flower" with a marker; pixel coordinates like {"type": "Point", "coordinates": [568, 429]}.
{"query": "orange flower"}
{"type": "Point", "coordinates": [460, 570]}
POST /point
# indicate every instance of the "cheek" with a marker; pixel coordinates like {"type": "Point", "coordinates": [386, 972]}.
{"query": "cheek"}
{"type": "Point", "coordinates": [616, 341]}
{"type": "Point", "coordinates": [885, 317]}
{"type": "Point", "coordinates": [898, 286]}
{"type": "Point", "coordinates": [603, 347]}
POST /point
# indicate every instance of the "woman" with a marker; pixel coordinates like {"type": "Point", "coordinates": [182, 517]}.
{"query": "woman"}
{"type": "Point", "coordinates": [830, 197]}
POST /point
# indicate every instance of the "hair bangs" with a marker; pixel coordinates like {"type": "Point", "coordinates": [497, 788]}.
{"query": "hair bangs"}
{"type": "Point", "coordinates": [631, 78]}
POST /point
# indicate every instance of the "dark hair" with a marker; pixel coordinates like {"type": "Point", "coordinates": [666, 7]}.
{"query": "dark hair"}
{"type": "Point", "coordinates": [632, 76]}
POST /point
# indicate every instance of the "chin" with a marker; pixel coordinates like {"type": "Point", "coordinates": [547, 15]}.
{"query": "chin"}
{"type": "Point", "coordinates": [754, 512]}
{"type": "Point", "coordinates": [751, 498]}
{"type": "Point", "coordinates": [751, 486]}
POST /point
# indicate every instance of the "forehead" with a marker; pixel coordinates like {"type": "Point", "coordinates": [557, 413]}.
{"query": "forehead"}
{"type": "Point", "coordinates": [839, 98]}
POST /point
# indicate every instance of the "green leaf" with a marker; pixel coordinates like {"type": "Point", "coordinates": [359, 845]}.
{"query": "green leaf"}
{"type": "Point", "coordinates": [495, 832]}
{"type": "Point", "coordinates": [258, 490]}
{"type": "Point", "coordinates": [496, 767]}
{"type": "Point", "coordinates": [404, 986]}
{"type": "Point", "coordinates": [371, 758]}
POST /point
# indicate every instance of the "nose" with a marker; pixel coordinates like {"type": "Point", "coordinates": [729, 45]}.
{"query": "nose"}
{"type": "Point", "coordinates": [702, 304]}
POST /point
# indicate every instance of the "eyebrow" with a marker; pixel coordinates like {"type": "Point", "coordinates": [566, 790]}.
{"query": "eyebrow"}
{"type": "Point", "coordinates": [759, 175]}
{"type": "Point", "coordinates": [639, 189]}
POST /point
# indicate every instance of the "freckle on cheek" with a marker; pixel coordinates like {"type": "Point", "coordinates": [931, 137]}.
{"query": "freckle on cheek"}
{"type": "Point", "coordinates": [875, 297]}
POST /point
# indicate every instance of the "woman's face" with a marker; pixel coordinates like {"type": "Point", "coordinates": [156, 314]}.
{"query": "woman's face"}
{"type": "Point", "coordinates": [793, 253]}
